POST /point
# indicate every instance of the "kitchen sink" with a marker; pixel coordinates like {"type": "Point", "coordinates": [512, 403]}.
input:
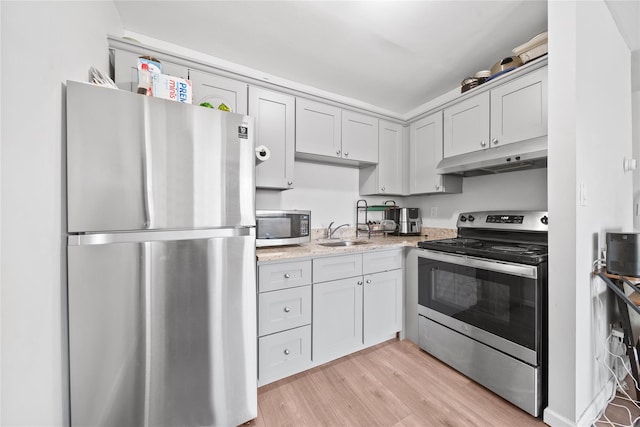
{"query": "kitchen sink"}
{"type": "Point", "coordinates": [343, 243]}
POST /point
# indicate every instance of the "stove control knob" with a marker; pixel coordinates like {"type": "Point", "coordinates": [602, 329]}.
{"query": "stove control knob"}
{"type": "Point", "coordinates": [471, 218]}
{"type": "Point", "coordinates": [463, 218]}
{"type": "Point", "coordinates": [544, 220]}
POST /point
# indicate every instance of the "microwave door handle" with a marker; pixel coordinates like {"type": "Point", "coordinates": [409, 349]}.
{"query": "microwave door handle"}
{"type": "Point", "coordinates": [520, 270]}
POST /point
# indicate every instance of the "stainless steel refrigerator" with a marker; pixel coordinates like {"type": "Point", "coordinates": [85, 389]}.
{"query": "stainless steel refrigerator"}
{"type": "Point", "coordinates": [161, 261]}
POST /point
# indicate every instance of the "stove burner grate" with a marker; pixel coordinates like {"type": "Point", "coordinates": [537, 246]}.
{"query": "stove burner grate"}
{"type": "Point", "coordinates": [514, 249]}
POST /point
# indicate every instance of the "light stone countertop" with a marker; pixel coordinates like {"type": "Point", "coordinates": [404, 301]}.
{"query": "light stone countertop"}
{"type": "Point", "coordinates": [378, 242]}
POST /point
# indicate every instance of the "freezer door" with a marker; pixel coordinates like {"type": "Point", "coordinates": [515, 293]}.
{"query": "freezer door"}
{"type": "Point", "coordinates": [136, 162]}
{"type": "Point", "coordinates": [163, 332]}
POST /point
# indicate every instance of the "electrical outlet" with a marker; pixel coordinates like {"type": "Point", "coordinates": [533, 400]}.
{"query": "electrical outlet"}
{"type": "Point", "coordinates": [434, 211]}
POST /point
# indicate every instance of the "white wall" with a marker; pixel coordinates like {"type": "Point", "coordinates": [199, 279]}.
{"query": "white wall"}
{"type": "Point", "coordinates": [589, 135]}
{"type": "Point", "coordinates": [524, 190]}
{"type": "Point", "coordinates": [43, 45]}
{"type": "Point", "coordinates": [331, 193]}
{"type": "Point", "coordinates": [635, 87]}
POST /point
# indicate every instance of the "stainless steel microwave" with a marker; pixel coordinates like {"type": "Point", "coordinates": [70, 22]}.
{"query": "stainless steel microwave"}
{"type": "Point", "coordinates": [279, 228]}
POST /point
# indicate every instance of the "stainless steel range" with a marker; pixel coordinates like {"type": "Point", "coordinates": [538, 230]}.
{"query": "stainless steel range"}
{"type": "Point", "coordinates": [482, 302]}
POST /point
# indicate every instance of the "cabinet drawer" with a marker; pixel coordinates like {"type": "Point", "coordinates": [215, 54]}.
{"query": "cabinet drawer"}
{"type": "Point", "coordinates": [284, 309]}
{"type": "Point", "coordinates": [338, 267]}
{"type": "Point", "coordinates": [284, 354]}
{"type": "Point", "coordinates": [272, 277]}
{"type": "Point", "coordinates": [373, 262]}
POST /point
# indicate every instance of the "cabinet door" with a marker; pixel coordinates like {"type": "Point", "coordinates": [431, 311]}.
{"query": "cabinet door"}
{"type": "Point", "coordinates": [318, 128]}
{"type": "Point", "coordinates": [284, 354]}
{"type": "Point", "coordinates": [519, 109]}
{"type": "Point", "coordinates": [337, 267]}
{"type": "Point", "coordinates": [466, 126]}
{"type": "Point", "coordinates": [285, 309]}
{"type": "Point", "coordinates": [283, 275]}
{"type": "Point", "coordinates": [378, 261]}
{"type": "Point", "coordinates": [359, 137]}
{"type": "Point", "coordinates": [217, 90]}
{"type": "Point", "coordinates": [337, 318]}
{"type": "Point", "coordinates": [382, 306]}
{"type": "Point", "coordinates": [275, 129]}
{"type": "Point", "coordinates": [425, 148]}
{"type": "Point", "coordinates": [386, 176]}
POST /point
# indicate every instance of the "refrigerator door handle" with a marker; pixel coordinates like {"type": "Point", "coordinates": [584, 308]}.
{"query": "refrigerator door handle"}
{"type": "Point", "coordinates": [146, 269]}
{"type": "Point", "coordinates": [147, 171]}
{"type": "Point", "coordinates": [156, 236]}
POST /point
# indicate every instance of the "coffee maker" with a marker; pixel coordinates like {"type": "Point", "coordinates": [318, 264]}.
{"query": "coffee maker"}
{"type": "Point", "coordinates": [408, 220]}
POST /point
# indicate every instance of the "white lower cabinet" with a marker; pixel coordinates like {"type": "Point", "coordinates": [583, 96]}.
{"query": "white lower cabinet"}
{"type": "Point", "coordinates": [313, 311]}
{"type": "Point", "coordinates": [382, 306]}
{"type": "Point", "coordinates": [337, 318]}
{"type": "Point", "coordinates": [284, 317]}
{"type": "Point", "coordinates": [355, 312]}
{"type": "Point", "coordinates": [284, 354]}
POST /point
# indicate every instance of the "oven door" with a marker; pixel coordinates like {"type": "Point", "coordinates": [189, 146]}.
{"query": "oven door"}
{"type": "Point", "coordinates": [496, 303]}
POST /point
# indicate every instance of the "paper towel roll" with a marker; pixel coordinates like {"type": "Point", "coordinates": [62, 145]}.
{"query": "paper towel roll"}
{"type": "Point", "coordinates": [262, 153]}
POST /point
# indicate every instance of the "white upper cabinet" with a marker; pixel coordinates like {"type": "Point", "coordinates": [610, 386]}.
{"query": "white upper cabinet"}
{"type": "Point", "coordinates": [359, 137]}
{"type": "Point", "coordinates": [512, 112]}
{"type": "Point", "coordinates": [387, 176]}
{"type": "Point", "coordinates": [466, 126]}
{"type": "Point", "coordinates": [425, 152]}
{"type": "Point", "coordinates": [275, 129]}
{"type": "Point", "coordinates": [318, 128]}
{"type": "Point", "coordinates": [330, 133]}
{"type": "Point", "coordinates": [519, 109]}
{"type": "Point", "coordinates": [218, 90]}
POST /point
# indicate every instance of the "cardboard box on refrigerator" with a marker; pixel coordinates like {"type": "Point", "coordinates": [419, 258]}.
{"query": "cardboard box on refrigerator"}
{"type": "Point", "coordinates": [173, 88]}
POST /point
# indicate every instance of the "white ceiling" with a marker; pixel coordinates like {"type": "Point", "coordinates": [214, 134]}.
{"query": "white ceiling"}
{"type": "Point", "coordinates": [395, 55]}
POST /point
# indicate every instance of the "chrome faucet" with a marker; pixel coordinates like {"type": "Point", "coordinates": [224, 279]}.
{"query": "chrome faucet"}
{"type": "Point", "coordinates": [330, 230]}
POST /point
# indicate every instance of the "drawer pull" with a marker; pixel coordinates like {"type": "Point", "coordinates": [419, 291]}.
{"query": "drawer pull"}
{"type": "Point", "coordinates": [287, 309]}
{"type": "Point", "coordinates": [368, 280]}
{"type": "Point", "coordinates": [287, 275]}
{"type": "Point", "coordinates": [359, 282]}
{"type": "Point", "coordinates": [286, 352]}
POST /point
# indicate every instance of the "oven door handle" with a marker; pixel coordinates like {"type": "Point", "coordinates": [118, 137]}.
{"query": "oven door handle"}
{"type": "Point", "coordinates": [520, 270]}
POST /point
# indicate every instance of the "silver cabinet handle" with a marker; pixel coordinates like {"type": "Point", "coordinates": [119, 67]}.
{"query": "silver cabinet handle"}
{"type": "Point", "coordinates": [494, 141]}
{"type": "Point", "coordinates": [437, 186]}
{"type": "Point", "coordinates": [289, 182]}
{"type": "Point", "coordinates": [287, 309]}
{"type": "Point", "coordinates": [287, 275]}
{"type": "Point", "coordinates": [368, 280]}
{"type": "Point", "coordinates": [338, 152]}
{"type": "Point", "coordinates": [383, 188]}
{"type": "Point", "coordinates": [483, 144]}
{"type": "Point", "coordinates": [359, 282]}
{"type": "Point", "coordinates": [286, 352]}
{"type": "Point", "coordinates": [346, 154]}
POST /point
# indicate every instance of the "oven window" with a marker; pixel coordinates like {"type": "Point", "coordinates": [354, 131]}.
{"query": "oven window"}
{"type": "Point", "coordinates": [499, 303]}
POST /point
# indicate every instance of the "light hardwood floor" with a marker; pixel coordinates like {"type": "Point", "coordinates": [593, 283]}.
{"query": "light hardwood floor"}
{"type": "Point", "coordinates": [392, 384]}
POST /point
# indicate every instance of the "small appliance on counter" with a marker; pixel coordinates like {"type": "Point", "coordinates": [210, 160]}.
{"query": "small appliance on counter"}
{"type": "Point", "coordinates": [623, 254]}
{"type": "Point", "coordinates": [280, 228]}
{"type": "Point", "coordinates": [408, 220]}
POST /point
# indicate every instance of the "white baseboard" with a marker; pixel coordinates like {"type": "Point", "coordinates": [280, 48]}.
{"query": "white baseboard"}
{"type": "Point", "coordinates": [598, 404]}
{"type": "Point", "coordinates": [554, 419]}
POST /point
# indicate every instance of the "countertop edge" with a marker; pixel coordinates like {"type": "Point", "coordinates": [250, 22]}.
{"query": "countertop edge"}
{"type": "Point", "coordinates": [315, 249]}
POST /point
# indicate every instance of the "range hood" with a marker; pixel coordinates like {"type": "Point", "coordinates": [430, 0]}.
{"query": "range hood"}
{"type": "Point", "coordinates": [524, 155]}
